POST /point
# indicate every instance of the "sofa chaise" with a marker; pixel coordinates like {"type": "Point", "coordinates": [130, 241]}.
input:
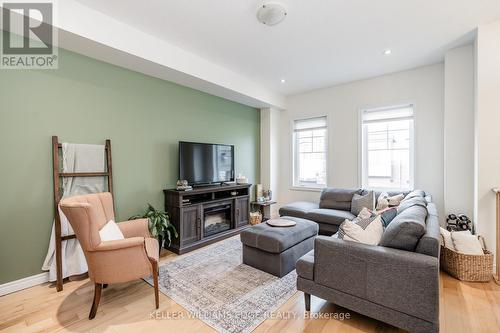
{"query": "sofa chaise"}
{"type": "Point", "coordinates": [396, 282]}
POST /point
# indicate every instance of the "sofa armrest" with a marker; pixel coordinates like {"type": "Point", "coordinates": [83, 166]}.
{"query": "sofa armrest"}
{"type": "Point", "coordinates": [120, 244]}
{"type": "Point", "coordinates": [403, 281]}
{"type": "Point", "coordinates": [119, 261]}
{"type": "Point", "coordinates": [135, 228]}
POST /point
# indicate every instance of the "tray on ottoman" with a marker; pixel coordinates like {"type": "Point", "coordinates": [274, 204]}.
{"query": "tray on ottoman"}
{"type": "Point", "coordinates": [275, 250]}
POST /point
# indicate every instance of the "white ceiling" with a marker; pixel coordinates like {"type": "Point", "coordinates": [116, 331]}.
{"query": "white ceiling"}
{"type": "Point", "coordinates": [320, 43]}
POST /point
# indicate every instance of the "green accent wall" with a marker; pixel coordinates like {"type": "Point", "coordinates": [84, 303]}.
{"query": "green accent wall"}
{"type": "Point", "coordinates": [88, 101]}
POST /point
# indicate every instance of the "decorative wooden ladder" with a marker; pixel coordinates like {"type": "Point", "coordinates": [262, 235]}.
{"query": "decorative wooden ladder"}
{"type": "Point", "coordinates": [56, 146]}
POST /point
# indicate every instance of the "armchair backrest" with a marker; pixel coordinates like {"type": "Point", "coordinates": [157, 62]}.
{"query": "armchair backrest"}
{"type": "Point", "coordinates": [87, 214]}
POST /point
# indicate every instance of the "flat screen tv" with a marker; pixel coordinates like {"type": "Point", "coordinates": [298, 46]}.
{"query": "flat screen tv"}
{"type": "Point", "coordinates": [205, 163]}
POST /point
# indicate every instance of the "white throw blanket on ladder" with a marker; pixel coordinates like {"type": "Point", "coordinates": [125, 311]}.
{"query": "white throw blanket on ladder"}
{"type": "Point", "coordinates": [76, 158]}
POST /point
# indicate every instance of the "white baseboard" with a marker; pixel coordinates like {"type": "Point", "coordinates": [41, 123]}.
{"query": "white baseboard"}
{"type": "Point", "coordinates": [24, 283]}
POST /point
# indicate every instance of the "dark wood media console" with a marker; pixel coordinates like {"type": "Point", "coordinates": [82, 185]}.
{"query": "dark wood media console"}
{"type": "Point", "coordinates": [206, 215]}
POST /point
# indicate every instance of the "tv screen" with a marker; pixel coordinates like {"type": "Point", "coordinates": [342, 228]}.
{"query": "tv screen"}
{"type": "Point", "coordinates": [205, 163]}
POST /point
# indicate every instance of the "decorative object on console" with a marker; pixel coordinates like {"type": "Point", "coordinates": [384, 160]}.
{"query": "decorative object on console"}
{"type": "Point", "coordinates": [241, 180]}
{"type": "Point", "coordinates": [159, 225]}
{"type": "Point", "coordinates": [182, 185]}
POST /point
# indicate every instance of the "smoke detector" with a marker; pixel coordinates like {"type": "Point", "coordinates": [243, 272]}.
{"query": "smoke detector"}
{"type": "Point", "coordinates": [271, 13]}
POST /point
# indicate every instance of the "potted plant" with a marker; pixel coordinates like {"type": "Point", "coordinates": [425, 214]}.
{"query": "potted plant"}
{"type": "Point", "coordinates": [159, 225]}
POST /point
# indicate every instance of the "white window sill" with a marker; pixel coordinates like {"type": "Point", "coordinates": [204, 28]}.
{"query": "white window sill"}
{"type": "Point", "coordinates": [306, 189]}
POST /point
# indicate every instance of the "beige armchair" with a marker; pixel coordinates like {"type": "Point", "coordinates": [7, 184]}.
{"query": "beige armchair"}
{"type": "Point", "coordinates": [115, 261]}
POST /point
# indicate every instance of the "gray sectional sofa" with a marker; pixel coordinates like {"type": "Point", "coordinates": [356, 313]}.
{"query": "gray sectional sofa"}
{"type": "Point", "coordinates": [396, 282]}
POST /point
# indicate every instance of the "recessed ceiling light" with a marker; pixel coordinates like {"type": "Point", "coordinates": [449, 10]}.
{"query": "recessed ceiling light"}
{"type": "Point", "coordinates": [283, 80]}
{"type": "Point", "coordinates": [387, 52]}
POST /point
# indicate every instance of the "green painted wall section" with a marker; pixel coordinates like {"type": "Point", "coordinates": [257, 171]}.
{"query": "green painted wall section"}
{"type": "Point", "coordinates": [87, 101]}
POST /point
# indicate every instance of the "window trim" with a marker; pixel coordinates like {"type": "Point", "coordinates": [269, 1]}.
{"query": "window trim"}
{"type": "Point", "coordinates": [413, 145]}
{"type": "Point", "coordinates": [295, 185]}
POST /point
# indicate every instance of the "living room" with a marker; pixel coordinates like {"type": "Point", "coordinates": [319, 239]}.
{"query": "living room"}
{"type": "Point", "coordinates": [250, 166]}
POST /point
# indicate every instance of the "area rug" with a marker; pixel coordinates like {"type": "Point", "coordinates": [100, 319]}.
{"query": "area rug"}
{"type": "Point", "coordinates": [214, 286]}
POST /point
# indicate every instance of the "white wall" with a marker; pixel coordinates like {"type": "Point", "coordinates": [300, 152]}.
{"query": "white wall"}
{"type": "Point", "coordinates": [487, 120]}
{"type": "Point", "coordinates": [459, 131]}
{"type": "Point", "coordinates": [422, 86]}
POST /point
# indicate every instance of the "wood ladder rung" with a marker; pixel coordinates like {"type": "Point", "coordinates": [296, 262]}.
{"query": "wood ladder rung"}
{"type": "Point", "coordinates": [84, 174]}
{"type": "Point", "coordinates": [59, 145]}
{"type": "Point", "coordinates": [68, 237]}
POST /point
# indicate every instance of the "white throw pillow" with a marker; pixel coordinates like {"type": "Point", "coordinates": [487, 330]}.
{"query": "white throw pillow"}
{"type": "Point", "coordinates": [466, 243]}
{"type": "Point", "coordinates": [446, 237]}
{"type": "Point", "coordinates": [382, 202]}
{"type": "Point", "coordinates": [365, 213]}
{"type": "Point", "coordinates": [371, 235]}
{"type": "Point", "coordinates": [110, 231]}
{"type": "Point", "coordinates": [395, 200]}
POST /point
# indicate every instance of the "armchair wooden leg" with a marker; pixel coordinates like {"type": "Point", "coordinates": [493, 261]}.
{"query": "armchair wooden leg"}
{"type": "Point", "coordinates": [97, 298]}
{"type": "Point", "coordinates": [154, 264]}
{"type": "Point", "coordinates": [307, 301]}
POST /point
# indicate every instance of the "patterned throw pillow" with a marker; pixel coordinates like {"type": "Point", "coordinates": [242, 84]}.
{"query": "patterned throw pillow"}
{"type": "Point", "coordinates": [366, 231]}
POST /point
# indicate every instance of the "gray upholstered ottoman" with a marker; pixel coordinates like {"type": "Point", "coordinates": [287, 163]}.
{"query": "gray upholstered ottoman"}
{"type": "Point", "coordinates": [275, 250]}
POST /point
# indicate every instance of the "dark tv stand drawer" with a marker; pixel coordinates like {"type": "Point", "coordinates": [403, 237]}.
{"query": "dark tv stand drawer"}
{"type": "Point", "coordinates": [187, 211]}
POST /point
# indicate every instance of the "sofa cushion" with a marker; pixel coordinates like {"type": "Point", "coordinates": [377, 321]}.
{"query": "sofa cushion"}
{"type": "Point", "coordinates": [298, 209]}
{"type": "Point", "coordinates": [406, 229]}
{"type": "Point", "coordinates": [329, 216]}
{"type": "Point", "coordinates": [413, 194]}
{"type": "Point", "coordinates": [360, 201]}
{"type": "Point", "coordinates": [429, 242]}
{"type": "Point", "coordinates": [305, 266]}
{"type": "Point", "coordinates": [336, 198]}
{"type": "Point", "coordinates": [415, 201]}
{"type": "Point", "coordinates": [278, 239]}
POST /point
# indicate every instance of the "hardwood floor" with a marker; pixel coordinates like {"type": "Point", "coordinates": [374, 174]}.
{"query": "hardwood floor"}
{"type": "Point", "coordinates": [465, 307]}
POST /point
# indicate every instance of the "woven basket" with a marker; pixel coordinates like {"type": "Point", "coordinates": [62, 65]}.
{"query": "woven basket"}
{"type": "Point", "coordinates": [466, 267]}
{"type": "Point", "coordinates": [255, 218]}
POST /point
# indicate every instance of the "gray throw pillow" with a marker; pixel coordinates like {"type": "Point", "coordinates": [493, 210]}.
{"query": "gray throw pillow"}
{"type": "Point", "coordinates": [406, 229]}
{"type": "Point", "coordinates": [360, 201]}
{"type": "Point", "coordinates": [388, 216]}
{"type": "Point", "coordinates": [415, 201]}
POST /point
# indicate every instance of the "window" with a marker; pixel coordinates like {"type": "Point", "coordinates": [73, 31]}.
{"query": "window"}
{"type": "Point", "coordinates": [309, 137]}
{"type": "Point", "coordinates": [387, 148]}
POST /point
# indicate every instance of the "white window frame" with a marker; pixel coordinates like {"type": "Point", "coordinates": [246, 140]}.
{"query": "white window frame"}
{"type": "Point", "coordinates": [296, 184]}
{"type": "Point", "coordinates": [363, 165]}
